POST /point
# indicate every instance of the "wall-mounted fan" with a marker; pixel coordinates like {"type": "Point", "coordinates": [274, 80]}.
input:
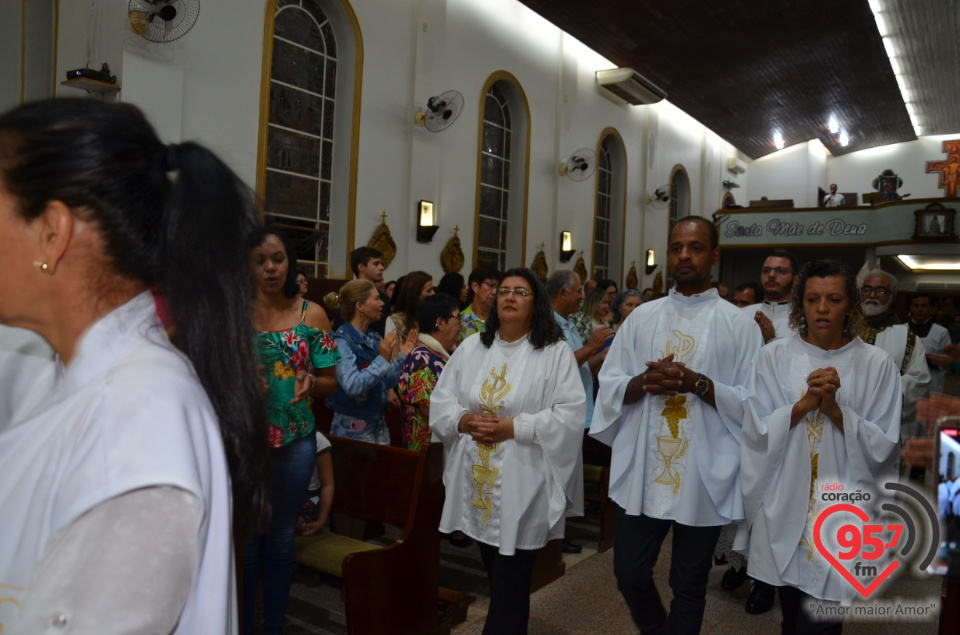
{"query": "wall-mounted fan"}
{"type": "Point", "coordinates": [163, 20]}
{"type": "Point", "coordinates": [661, 197]}
{"type": "Point", "coordinates": [441, 112]}
{"type": "Point", "coordinates": [580, 165]}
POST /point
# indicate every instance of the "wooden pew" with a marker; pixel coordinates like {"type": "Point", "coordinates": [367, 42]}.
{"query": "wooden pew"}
{"type": "Point", "coordinates": [391, 589]}
{"type": "Point", "coordinates": [596, 489]}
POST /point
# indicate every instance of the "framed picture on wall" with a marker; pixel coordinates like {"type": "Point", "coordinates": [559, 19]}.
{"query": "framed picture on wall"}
{"type": "Point", "coordinates": [934, 222]}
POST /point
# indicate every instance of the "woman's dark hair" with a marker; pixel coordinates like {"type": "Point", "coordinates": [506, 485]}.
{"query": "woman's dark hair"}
{"type": "Point", "coordinates": [825, 269]}
{"type": "Point", "coordinates": [433, 308]}
{"type": "Point", "coordinates": [620, 299]}
{"type": "Point", "coordinates": [290, 286]}
{"type": "Point", "coordinates": [606, 283]}
{"type": "Point", "coordinates": [174, 218]}
{"type": "Point", "coordinates": [452, 284]}
{"type": "Point", "coordinates": [396, 294]}
{"type": "Point", "coordinates": [478, 275]}
{"type": "Point", "coordinates": [406, 298]}
{"type": "Point", "coordinates": [544, 329]}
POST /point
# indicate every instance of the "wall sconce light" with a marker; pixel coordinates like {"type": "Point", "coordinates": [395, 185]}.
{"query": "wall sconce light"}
{"type": "Point", "coordinates": [651, 262]}
{"type": "Point", "coordinates": [426, 226]}
{"type": "Point", "coordinates": [566, 246]}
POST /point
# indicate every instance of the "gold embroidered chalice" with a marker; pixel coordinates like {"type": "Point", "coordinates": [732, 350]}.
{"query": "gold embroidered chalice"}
{"type": "Point", "coordinates": [668, 447]}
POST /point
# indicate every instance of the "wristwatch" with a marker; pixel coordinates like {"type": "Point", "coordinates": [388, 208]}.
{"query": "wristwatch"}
{"type": "Point", "coordinates": [702, 386]}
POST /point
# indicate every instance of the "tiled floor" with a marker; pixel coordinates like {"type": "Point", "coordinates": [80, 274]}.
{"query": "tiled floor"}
{"type": "Point", "coordinates": [586, 600]}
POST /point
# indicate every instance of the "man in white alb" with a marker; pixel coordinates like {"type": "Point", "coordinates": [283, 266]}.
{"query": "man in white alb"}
{"type": "Point", "coordinates": [934, 338]}
{"type": "Point", "coordinates": [883, 329]}
{"type": "Point", "coordinates": [778, 275]}
{"type": "Point", "coordinates": [670, 405]}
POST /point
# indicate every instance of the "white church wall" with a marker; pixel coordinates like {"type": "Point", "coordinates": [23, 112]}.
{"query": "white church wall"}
{"type": "Point", "coordinates": [855, 172]}
{"type": "Point", "coordinates": [413, 50]}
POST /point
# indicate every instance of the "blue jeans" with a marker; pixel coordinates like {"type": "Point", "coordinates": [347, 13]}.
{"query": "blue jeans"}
{"type": "Point", "coordinates": [292, 467]}
{"type": "Point", "coordinates": [373, 430]}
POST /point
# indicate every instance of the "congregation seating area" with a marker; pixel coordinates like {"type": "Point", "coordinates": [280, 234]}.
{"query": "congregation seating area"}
{"type": "Point", "coordinates": [395, 573]}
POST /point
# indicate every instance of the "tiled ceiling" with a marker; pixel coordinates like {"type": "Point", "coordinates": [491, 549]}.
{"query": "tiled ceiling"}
{"type": "Point", "coordinates": [749, 68]}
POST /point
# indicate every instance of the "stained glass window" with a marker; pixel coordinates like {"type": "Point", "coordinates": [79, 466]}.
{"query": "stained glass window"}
{"type": "Point", "coordinates": [300, 129]}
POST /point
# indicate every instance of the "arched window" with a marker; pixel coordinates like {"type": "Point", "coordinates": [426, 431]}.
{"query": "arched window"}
{"type": "Point", "coordinates": [601, 224]}
{"type": "Point", "coordinates": [679, 195]}
{"type": "Point", "coordinates": [307, 175]}
{"type": "Point", "coordinates": [608, 227]}
{"type": "Point", "coordinates": [495, 180]}
{"type": "Point", "coordinates": [500, 233]}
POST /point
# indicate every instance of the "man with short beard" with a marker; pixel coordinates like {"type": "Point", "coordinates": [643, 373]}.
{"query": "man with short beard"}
{"type": "Point", "coordinates": [884, 330]}
{"type": "Point", "coordinates": [777, 278]}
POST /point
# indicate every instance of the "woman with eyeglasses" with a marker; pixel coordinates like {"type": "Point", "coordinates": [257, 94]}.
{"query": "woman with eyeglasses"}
{"type": "Point", "coordinates": [439, 318]}
{"type": "Point", "coordinates": [509, 410]}
{"type": "Point", "coordinates": [302, 284]}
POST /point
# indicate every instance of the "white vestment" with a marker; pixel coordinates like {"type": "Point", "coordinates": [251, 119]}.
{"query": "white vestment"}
{"type": "Point", "coordinates": [27, 366]}
{"type": "Point", "coordinates": [781, 496]}
{"type": "Point", "coordinates": [778, 312]}
{"type": "Point", "coordinates": [128, 413]}
{"type": "Point", "coordinates": [915, 381]}
{"type": "Point", "coordinates": [515, 493]}
{"type": "Point", "coordinates": [676, 457]}
{"type": "Point", "coordinates": [934, 342]}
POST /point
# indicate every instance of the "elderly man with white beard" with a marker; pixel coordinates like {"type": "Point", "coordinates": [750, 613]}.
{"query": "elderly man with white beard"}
{"type": "Point", "coordinates": [884, 330]}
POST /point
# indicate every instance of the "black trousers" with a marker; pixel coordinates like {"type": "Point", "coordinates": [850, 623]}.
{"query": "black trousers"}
{"type": "Point", "coordinates": [637, 547]}
{"type": "Point", "coordinates": [509, 578]}
{"type": "Point", "coordinates": [797, 619]}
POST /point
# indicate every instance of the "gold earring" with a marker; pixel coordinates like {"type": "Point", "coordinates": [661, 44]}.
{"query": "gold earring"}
{"type": "Point", "coordinates": [42, 266]}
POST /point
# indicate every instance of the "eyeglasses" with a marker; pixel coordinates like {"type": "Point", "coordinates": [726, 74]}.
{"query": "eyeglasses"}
{"type": "Point", "coordinates": [490, 285]}
{"type": "Point", "coordinates": [520, 292]}
{"type": "Point", "coordinates": [457, 317]}
{"type": "Point", "coordinates": [780, 271]}
{"type": "Point", "coordinates": [880, 292]}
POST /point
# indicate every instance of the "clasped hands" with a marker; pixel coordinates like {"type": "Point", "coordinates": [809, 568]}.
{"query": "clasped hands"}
{"type": "Point", "coordinates": [667, 377]}
{"type": "Point", "coordinates": [822, 387]}
{"type": "Point", "coordinates": [486, 428]}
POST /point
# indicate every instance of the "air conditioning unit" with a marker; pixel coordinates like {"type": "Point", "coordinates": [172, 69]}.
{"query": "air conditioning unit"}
{"type": "Point", "coordinates": [736, 166]}
{"type": "Point", "coordinates": [629, 86]}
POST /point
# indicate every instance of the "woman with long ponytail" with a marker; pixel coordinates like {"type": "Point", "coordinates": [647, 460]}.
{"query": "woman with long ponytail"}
{"type": "Point", "coordinates": [123, 480]}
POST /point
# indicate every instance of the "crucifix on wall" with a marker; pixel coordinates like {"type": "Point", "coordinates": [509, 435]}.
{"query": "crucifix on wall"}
{"type": "Point", "coordinates": [948, 169]}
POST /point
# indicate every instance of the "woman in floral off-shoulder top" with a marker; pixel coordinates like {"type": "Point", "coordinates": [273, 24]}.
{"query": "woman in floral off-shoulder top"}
{"type": "Point", "coordinates": [298, 358]}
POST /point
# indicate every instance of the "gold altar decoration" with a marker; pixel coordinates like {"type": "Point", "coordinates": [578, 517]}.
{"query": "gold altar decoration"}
{"type": "Point", "coordinates": [383, 241]}
{"type": "Point", "coordinates": [633, 281]}
{"type": "Point", "coordinates": [658, 282]}
{"type": "Point", "coordinates": [539, 264]}
{"type": "Point", "coordinates": [451, 258]}
{"type": "Point", "coordinates": [581, 268]}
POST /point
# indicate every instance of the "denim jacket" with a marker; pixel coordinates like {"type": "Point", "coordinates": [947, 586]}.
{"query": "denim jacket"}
{"type": "Point", "coordinates": [363, 376]}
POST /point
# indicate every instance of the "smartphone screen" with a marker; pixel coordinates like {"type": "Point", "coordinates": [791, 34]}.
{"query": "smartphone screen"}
{"type": "Point", "coordinates": [947, 463]}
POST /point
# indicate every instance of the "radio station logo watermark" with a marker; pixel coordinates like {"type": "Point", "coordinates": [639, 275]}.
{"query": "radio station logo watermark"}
{"type": "Point", "coordinates": [866, 540]}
